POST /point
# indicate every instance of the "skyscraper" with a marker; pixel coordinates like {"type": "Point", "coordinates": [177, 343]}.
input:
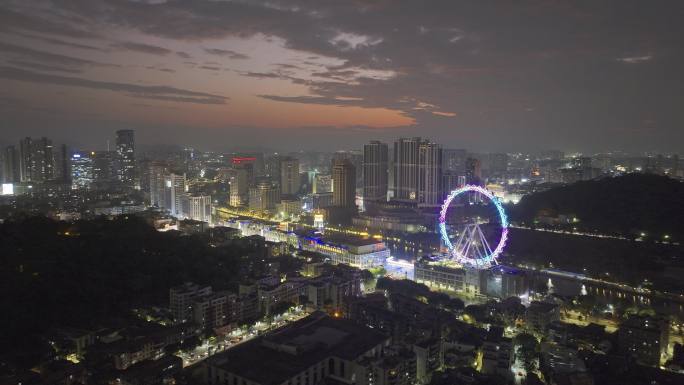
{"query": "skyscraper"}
{"type": "Point", "coordinates": [175, 188]}
{"type": "Point", "coordinates": [103, 167]}
{"type": "Point", "coordinates": [453, 160]}
{"type": "Point", "coordinates": [406, 168]}
{"type": "Point", "coordinates": [429, 174]}
{"type": "Point", "coordinates": [473, 171]}
{"type": "Point", "coordinates": [62, 169]}
{"type": "Point", "coordinates": [25, 161]}
{"type": "Point", "coordinates": [289, 176]}
{"type": "Point", "coordinates": [344, 184]}
{"type": "Point", "coordinates": [10, 165]}
{"type": "Point", "coordinates": [265, 196]}
{"type": "Point", "coordinates": [157, 175]}
{"type": "Point", "coordinates": [375, 171]}
{"type": "Point", "coordinates": [36, 161]}
{"type": "Point", "coordinates": [81, 170]}
{"type": "Point", "coordinates": [125, 153]}
{"type": "Point", "coordinates": [239, 186]}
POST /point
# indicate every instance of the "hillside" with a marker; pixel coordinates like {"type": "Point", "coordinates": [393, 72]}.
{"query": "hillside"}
{"type": "Point", "coordinates": [627, 205]}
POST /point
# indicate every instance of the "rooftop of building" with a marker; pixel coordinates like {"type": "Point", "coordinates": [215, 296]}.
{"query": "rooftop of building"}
{"type": "Point", "coordinates": [278, 356]}
{"type": "Point", "coordinates": [542, 307]}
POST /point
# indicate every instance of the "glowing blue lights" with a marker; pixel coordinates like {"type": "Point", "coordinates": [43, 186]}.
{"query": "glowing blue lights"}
{"type": "Point", "coordinates": [485, 260]}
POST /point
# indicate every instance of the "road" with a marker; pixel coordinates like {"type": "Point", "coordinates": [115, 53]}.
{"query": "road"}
{"type": "Point", "coordinates": [212, 346]}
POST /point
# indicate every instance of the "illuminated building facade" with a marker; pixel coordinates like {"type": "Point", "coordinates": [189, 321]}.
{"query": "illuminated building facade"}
{"type": "Point", "coordinates": [81, 170]}
{"type": "Point", "coordinates": [36, 160]}
{"type": "Point", "coordinates": [175, 187]}
{"type": "Point", "coordinates": [264, 197]}
{"type": "Point", "coordinates": [344, 184]}
{"type": "Point", "coordinates": [197, 208]}
{"type": "Point", "coordinates": [440, 276]}
{"type": "Point", "coordinates": [125, 156]}
{"type": "Point", "coordinates": [361, 253]}
{"type": "Point", "coordinates": [239, 186]}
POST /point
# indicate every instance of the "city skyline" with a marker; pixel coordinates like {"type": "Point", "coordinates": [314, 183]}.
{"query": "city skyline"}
{"type": "Point", "coordinates": [290, 75]}
{"type": "Point", "coordinates": [336, 192]}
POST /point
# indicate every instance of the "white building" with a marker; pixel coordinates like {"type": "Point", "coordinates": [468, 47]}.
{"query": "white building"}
{"type": "Point", "coordinates": [197, 208]}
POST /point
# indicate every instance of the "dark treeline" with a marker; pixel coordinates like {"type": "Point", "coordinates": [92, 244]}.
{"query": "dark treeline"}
{"type": "Point", "coordinates": [626, 205]}
{"type": "Point", "coordinates": [56, 274]}
{"type": "Point", "coordinates": [626, 261]}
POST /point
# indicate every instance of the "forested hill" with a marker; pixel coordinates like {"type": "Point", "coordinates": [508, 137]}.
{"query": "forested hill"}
{"type": "Point", "coordinates": [626, 205]}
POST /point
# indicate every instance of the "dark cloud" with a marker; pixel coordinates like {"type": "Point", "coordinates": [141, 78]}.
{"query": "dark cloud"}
{"type": "Point", "coordinates": [47, 57]}
{"type": "Point", "coordinates": [44, 22]}
{"type": "Point", "coordinates": [312, 100]}
{"type": "Point", "coordinates": [500, 74]}
{"type": "Point", "coordinates": [262, 75]}
{"type": "Point", "coordinates": [210, 68]}
{"type": "Point", "coordinates": [140, 47]}
{"type": "Point", "coordinates": [42, 67]}
{"type": "Point", "coordinates": [183, 55]}
{"type": "Point", "coordinates": [59, 42]}
{"type": "Point", "coordinates": [149, 92]}
{"type": "Point", "coordinates": [226, 53]}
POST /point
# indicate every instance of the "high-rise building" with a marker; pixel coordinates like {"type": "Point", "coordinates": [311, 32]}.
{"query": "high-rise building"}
{"type": "Point", "coordinates": [157, 175]}
{"type": "Point", "coordinates": [322, 184]}
{"type": "Point", "coordinates": [174, 189]}
{"type": "Point", "coordinates": [375, 171]}
{"type": "Point", "coordinates": [10, 165]}
{"type": "Point", "coordinates": [430, 174]}
{"type": "Point", "coordinates": [644, 338]}
{"type": "Point", "coordinates": [265, 196]}
{"type": "Point", "coordinates": [272, 166]}
{"type": "Point", "coordinates": [81, 170]}
{"type": "Point", "coordinates": [497, 164]}
{"type": "Point", "coordinates": [25, 162]}
{"type": "Point", "coordinates": [181, 299]}
{"type": "Point", "coordinates": [289, 176]}
{"type": "Point", "coordinates": [450, 182]}
{"type": "Point", "coordinates": [197, 208]}
{"type": "Point", "coordinates": [125, 152]}
{"type": "Point", "coordinates": [103, 167]}
{"type": "Point", "coordinates": [454, 160]}
{"type": "Point", "coordinates": [344, 184]}
{"type": "Point", "coordinates": [418, 171]}
{"type": "Point", "coordinates": [62, 169]}
{"type": "Point", "coordinates": [473, 171]}
{"type": "Point", "coordinates": [406, 168]}
{"type": "Point", "coordinates": [36, 161]}
{"type": "Point", "coordinates": [239, 186]}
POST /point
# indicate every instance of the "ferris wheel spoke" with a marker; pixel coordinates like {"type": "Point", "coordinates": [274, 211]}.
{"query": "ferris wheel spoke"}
{"type": "Point", "coordinates": [471, 246]}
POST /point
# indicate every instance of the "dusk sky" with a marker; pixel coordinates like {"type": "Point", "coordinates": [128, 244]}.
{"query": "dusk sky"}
{"type": "Point", "coordinates": [483, 75]}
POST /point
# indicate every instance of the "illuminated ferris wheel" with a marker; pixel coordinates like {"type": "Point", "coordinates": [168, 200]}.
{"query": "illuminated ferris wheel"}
{"type": "Point", "coordinates": [472, 248]}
